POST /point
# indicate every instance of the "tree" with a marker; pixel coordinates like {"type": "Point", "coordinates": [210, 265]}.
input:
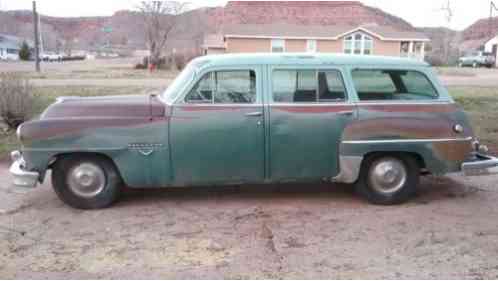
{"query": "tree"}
{"type": "Point", "coordinates": [25, 51]}
{"type": "Point", "coordinates": [160, 18]}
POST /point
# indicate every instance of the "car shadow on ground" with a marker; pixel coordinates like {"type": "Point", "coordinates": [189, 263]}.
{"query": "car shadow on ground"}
{"type": "Point", "coordinates": [431, 189]}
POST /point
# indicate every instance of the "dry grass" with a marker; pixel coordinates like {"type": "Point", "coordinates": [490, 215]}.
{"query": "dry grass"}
{"type": "Point", "coordinates": [481, 105]}
{"type": "Point", "coordinates": [90, 69]}
{"type": "Point", "coordinates": [456, 72]}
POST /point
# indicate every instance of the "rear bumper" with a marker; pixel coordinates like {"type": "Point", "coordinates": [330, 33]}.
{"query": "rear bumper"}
{"type": "Point", "coordinates": [22, 178]}
{"type": "Point", "coordinates": [481, 165]}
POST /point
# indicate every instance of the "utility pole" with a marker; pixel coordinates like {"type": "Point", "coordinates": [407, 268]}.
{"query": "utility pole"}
{"type": "Point", "coordinates": [37, 38]}
{"type": "Point", "coordinates": [492, 7]}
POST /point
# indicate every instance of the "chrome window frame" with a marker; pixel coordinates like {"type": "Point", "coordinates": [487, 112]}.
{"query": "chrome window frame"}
{"type": "Point", "coordinates": [259, 85]}
{"type": "Point", "coordinates": [437, 99]}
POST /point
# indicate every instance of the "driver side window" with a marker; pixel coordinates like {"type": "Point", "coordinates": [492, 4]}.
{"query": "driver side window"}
{"type": "Point", "coordinates": [224, 87]}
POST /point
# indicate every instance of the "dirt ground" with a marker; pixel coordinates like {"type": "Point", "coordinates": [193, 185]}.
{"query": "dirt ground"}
{"type": "Point", "coordinates": [449, 231]}
{"type": "Point", "coordinates": [291, 231]}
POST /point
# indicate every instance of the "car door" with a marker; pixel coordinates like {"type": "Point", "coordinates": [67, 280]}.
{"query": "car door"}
{"type": "Point", "coordinates": [309, 110]}
{"type": "Point", "coordinates": [217, 129]}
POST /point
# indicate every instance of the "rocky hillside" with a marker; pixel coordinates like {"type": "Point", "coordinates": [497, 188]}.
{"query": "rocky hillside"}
{"type": "Point", "coordinates": [481, 29]}
{"type": "Point", "coordinates": [88, 33]}
{"type": "Point", "coordinates": [309, 13]}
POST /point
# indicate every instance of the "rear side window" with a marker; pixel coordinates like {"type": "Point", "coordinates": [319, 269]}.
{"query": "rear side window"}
{"type": "Point", "coordinates": [380, 85]}
{"type": "Point", "coordinates": [308, 86]}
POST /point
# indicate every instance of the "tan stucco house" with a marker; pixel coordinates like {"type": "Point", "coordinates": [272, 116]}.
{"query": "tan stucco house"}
{"type": "Point", "coordinates": [283, 37]}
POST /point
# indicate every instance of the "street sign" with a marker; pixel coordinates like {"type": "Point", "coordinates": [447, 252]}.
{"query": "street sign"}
{"type": "Point", "coordinates": [107, 29]}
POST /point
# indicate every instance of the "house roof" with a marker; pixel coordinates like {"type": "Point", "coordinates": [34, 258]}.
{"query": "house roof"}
{"type": "Point", "coordinates": [472, 44]}
{"type": "Point", "coordinates": [330, 32]}
{"type": "Point", "coordinates": [11, 42]}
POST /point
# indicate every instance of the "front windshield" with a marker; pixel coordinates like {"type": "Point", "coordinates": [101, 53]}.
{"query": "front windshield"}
{"type": "Point", "coordinates": [175, 89]}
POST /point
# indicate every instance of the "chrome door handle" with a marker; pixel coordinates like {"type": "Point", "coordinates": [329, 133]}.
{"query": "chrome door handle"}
{"type": "Point", "coordinates": [254, 114]}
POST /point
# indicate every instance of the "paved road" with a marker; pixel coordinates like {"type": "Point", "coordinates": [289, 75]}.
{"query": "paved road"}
{"type": "Point", "coordinates": [294, 231]}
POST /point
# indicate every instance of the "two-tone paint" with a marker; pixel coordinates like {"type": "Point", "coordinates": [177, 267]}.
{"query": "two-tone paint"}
{"type": "Point", "coordinates": [160, 141]}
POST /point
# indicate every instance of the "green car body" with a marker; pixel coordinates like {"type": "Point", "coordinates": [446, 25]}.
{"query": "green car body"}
{"type": "Point", "coordinates": [164, 141]}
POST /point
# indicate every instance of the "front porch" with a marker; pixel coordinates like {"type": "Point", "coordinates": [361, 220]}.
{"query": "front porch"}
{"type": "Point", "coordinates": [413, 49]}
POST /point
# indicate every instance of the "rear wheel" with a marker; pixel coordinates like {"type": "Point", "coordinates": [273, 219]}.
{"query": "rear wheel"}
{"type": "Point", "coordinates": [86, 182]}
{"type": "Point", "coordinates": [388, 179]}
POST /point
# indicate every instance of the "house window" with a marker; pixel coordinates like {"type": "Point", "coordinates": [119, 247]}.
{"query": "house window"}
{"type": "Point", "coordinates": [12, 51]}
{"type": "Point", "coordinates": [358, 44]}
{"type": "Point", "coordinates": [277, 45]}
{"type": "Point", "coordinates": [311, 46]}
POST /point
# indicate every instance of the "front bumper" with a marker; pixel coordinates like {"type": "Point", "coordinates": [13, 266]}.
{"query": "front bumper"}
{"type": "Point", "coordinates": [481, 165]}
{"type": "Point", "coordinates": [22, 178]}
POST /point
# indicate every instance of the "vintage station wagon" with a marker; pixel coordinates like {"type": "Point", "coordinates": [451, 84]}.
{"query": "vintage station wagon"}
{"type": "Point", "coordinates": [375, 122]}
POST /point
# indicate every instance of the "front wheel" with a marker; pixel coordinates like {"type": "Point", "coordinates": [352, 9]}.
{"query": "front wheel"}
{"type": "Point", "coordinates": [388, 180]}
{"type": "Point", "coordinates": [86, 182]}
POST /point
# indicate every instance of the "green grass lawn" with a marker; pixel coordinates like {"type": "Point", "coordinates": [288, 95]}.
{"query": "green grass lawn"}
{"type": "Point", "coordinates": [481, 105]}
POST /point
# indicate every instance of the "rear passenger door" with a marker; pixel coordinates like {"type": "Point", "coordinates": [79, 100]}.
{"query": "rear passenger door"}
{"type": "Point", "coordinates": [308, 109]}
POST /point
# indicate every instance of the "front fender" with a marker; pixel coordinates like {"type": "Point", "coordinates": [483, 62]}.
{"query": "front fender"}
{"type": "Point", "coordinates": [137, 146]}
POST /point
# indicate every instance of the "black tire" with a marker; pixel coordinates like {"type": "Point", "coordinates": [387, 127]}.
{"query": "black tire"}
{"type": "Point", "coordinates": [105, 198]}
{"type": "Point", "coordinates": [364, 187]}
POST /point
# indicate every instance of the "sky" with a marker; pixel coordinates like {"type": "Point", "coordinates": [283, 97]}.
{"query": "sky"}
{"type": "Point", "coordinates": [418, 12]}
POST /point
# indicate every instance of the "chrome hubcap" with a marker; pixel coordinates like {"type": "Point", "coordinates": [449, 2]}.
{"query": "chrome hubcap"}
{"type": "Point", "coordinates": [86, 180]}
{"type": "Point", "coordinates": [387, 175]}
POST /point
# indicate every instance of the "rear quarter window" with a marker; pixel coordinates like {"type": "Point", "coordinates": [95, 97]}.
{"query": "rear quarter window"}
{"type": "Point", "coordinates": [397, 85]}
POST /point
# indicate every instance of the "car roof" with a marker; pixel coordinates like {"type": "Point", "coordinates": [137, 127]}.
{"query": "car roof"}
{"type": "Point", "coordinates": [304, 59]}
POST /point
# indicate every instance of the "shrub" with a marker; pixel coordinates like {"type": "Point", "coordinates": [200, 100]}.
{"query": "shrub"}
{"type": "Point", "coordinates": [164, 63]}
{"type": "Point", "coordinates": [143, 65]}
{"type": "Point", "coordinates": [139, 66]}
{"type": "Point", "coordinates": [16, 100]}
{"type": "Point", "coordinates": [180, 61]}
{"type": "Point", "coordinates": [25, 51]}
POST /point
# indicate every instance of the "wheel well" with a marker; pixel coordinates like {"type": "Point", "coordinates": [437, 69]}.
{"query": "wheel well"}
{"type": "Point", "coordinates": [80, 154]}
{"type": "Point", "coordinates": [416, 156]}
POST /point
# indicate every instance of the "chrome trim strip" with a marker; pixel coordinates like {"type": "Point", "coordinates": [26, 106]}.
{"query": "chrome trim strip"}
{"type": "Point", "coordinates": [432, 102]}
{"type": "Point", "coordinates": [311, 104]}
{"type": "Point", "coordinates": [56, 150]}
{"type": "Point", "coordinates": [405, 141]}
{"type": "Point", "coordinates": [345, 103]}
{"type": "Point", "coordinates": [218, 105]}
